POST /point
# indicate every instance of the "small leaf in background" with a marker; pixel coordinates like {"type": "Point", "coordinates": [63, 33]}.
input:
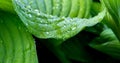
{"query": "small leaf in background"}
{"type": "Point", "coordinates": [113, 7]}
{"type": "Point", "coordinates": [107, 43]}
{"type": "Point", "coordinates": [112, 18]}
{"type": "Point", "coordinates": [96, 8]}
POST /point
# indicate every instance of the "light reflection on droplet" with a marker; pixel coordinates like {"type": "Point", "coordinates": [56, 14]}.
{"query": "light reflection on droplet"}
{"type": "Point", "coordinates": [26, 24]}
{"type": "Point", "coordinates": [47, 32]}
{"type": "Point", "coordinates": [28, 7]}
{"type": "Point", "coordinates": [64, 26]}
{"type": "Point", "coordinates": [73, 28]}
{"type": "Point", "coordinates": [30, 15]}
{"type": "Point", "coordinates": [36, 10]}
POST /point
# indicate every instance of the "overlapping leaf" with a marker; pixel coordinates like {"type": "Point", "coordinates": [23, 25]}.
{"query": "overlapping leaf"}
{"type": "Point", "coordinates": [16, 44]}
{"type": "Point", "coordinates": [113, 16]}
{"type": "Point", "coordinates": [107, 43]}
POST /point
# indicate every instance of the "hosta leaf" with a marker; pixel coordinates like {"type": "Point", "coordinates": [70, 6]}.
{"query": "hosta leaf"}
{"type": "Point", "coordinates": [113, 15]}
{"type": "Point", "coordinates": [107, 43]}
{"type": "Point", "coordinates": [113, 7]}
{"type": "Point", "coordinates": [6, 5]}
{"type": "Point", "coordinates": [16, 44]}
{"type": "Point", "coordinates": [53, 25]}
{"type": "Point", "coordinates": [96, 5]}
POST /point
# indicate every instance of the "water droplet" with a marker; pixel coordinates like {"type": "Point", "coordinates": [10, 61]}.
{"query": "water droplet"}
{"type": "Point", "coordinates": [42, 21]}
{"type": "Point", "coordinates": [56, 7]}
{"type": "Point", "coordinates": [31, 2]}
{"type": "Point", "coordinates": [36, 10]}
{"type": "Point", "coordinates": [63, 17]}
{"type": "Point", "coordinates": [47, 33]}
{"type": "Point", "coordinates": [73, 28]}
{"type": "Point", "coordinates": [38, 14]}
{"type": "Point", "coordinates": [30, 15]}
{"type": "Point", "coordinates": [28, 7]}
{"type": "Point", "coordinates": [26, 24]}
{"type": "Point", "coordinates": [64, 26]}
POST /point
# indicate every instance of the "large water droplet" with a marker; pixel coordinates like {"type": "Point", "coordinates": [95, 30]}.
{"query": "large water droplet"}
{"type": "Point", "coordinates": [47, 33]}
{"type": "Point", "coordinates": [36, 10]}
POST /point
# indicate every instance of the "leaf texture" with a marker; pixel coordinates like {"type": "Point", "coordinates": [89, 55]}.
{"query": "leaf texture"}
{"type": "Point", "coordinates": [16, 44]}
{"type": "Point", "coordinates": [107, 43]}
{"type": "Point", "coordinates": [57, 19]}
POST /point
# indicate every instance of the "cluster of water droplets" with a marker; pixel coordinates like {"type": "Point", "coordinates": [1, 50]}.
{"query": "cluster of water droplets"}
{"type": "Point", "coordinates": [57, 5]}
{"type": "Point", "coordinates": [64, 22]}
{"type": "Point", "coordinates": [52, 25]}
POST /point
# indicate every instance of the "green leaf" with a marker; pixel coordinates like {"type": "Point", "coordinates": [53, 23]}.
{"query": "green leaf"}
{"type": "Point", "coordinates": [113, 16]}
{"type": "Point", "coordinates": [16, 44]}
{"type": "Point", "coordinates": [96, 8]}
{"type": "Point", "coordinates": [107, 43]}
{"type": "Point", "coordinates": [113, 7]}
{"type": "Point", "coordinates": [43, 25]}
{"type": "Point", "coordinates": [6, 5]}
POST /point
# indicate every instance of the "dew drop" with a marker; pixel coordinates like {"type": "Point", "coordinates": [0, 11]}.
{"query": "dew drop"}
{"type": "Point", "coordinates": [26, 24]}
{"type": "Point", "coordinates": [36, 10]}
{"type": "Point", "coordinates": [28, 7]}
{"type": "Point", "coordinates": [63, 17]}
{"type": "Point", "coordinates": [42, 21]}
{"type": "Point", "coordinates": [73, 28]}
{"type": "Point", "coordinates": [64, 26]}
{"type": "Point", "coordinates": [47, 33]}
{"type": "Point", "coordinates": [38, 14]}
{"type": "Point", "coordinates": [30, 15]}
